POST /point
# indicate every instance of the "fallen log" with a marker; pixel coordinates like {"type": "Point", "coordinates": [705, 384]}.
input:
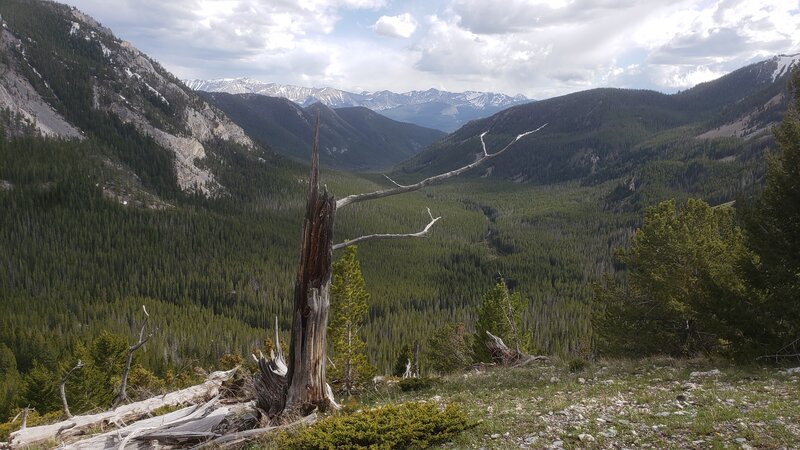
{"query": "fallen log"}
{"type": "Point", "coordinates": [121, 437]}
{"type": "Point", "coordinates": [230, 440]}
{"type": "Point", "coordinates": [507, 357]}
{"type": "Point", "coordinates": [66, 430]}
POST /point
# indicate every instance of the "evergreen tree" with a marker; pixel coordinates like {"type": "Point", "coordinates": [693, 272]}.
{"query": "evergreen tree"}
{"type": "Point", "coordinates": [9, 381]}
{"type": "Point", "coordinates": [450, 348]}
{"type": "Point", "coordinates": [349, 305]}
{"type": "Point", "coordinates": [500, 313]}
{"type": "Point", "coordinates": [684, 292]}
{"type": "Point", "coordinates": [773, 232]}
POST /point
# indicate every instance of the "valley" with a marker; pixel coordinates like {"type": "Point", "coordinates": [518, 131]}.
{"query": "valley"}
{"type": "Point", "coordinates": [123, 187]}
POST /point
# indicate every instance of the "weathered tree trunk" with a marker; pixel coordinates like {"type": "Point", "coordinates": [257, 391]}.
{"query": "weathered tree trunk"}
{"type": "Point", "coordinates": [306, 376]}
{"type": "Point", "coordinates": [79, 425]}
{"type": "Point", "coordinates": [505, 356]}
{"type": "Point", "coordinates": [306, 388]}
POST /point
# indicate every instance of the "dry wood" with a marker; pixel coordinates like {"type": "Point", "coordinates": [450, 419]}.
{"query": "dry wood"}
{"type": "Point", "coordinates": [306, 370]}
{"type": "Point", "coordinates": [233, 439]}
{"type": "Point", "coordinates": [62, 388]}
{"type": "Point", "coordinates": [80, 424]}
{"type": "Point", "coordinates": [505, 356]}
{"type": "Point", "coordinates": [122, 394]}
{"type": "Point", "coordinates": [120, 437]}
{"type": "Point", "coordinates": [400, 189]}
{"type": "Point", "coordinates": [375, 237]}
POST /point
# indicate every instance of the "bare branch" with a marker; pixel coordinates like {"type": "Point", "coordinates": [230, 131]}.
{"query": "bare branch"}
{"type": "Point", "coordinates": [394, 182]}
{"type": "Point", "coordinates": [373, 237]}
{"type": "Point", "coordinates": [63, 391]}
{"type": "Point", "coordinates": [399, 189]}
{"type": "Point", "coordinates": [122, 395]}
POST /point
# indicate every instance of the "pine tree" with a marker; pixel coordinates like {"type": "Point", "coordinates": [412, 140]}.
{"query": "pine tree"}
{"type": "Point", "coordinates": [450, 348]}
{"type": "Point", "coordinates": [773, 232]}
{"type": "Point", "coordinates": [349, 305]}
{"type": "Point", "coordinates": [500, 313]}
{"type": "Point", "coordinates": [684, 293]}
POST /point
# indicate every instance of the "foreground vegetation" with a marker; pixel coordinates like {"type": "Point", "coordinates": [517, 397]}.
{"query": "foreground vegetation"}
{"type": "Point", "coordinates": [657, 402]}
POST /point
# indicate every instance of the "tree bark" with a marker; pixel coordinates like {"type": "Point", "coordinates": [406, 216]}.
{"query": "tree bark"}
{"type": "Point", "coordinates": [307, 388]}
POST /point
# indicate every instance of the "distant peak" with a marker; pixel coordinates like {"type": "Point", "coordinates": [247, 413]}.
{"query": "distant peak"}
{"type": "Point", "coordinates": [785, 63]}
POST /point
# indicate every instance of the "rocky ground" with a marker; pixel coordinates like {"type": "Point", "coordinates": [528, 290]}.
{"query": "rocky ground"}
{"type": "Point", "coordinates": [652, 403]}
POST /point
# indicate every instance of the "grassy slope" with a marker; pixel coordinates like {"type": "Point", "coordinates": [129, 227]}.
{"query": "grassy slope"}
{"type": "Point", "coordinates": [651, 403]}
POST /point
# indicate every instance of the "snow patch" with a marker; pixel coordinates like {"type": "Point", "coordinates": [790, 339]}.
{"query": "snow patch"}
{"type": "Point", "coordinates": [785, 64]}
{"type": "Point", "coordinates": [156, 93]}
{"type": "Point", "coordinates": [74, 29]}
{"type": "Point", "coordinates": [132, 74]}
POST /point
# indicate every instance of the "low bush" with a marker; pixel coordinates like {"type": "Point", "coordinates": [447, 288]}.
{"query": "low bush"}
{"type": "Point", "coordinates": [407, 425]}
{"type": "Point", "coordinates": [577, 365]}
{"type": "Point", "coordinates": [415, 384]}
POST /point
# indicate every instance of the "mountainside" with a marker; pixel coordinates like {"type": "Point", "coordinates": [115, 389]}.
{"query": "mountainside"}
{"type": "Point", "coordinates": [684, 141]}
{"type": "Point", "coordinates": [350, 137]}
{"type": "Point", "coordinates": [67, 76]}
{"type": "Point", "coordinates": [443, 110]}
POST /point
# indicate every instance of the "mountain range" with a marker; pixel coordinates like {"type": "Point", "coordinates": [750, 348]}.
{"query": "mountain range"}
{"type": "Point", "coordinates": [684, 141]}
{"type": "Point", "coordinates": [442, 110]}
{"type": "Point", "coordinates": [354, 138]}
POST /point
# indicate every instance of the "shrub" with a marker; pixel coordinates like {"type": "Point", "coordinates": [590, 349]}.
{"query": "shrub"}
{"type": "Point", "coordinates": [407, 425]}
{"type": "Point", "coordinates": [576, 365]}
{"type": "Point", "coordinates": [415, 384]}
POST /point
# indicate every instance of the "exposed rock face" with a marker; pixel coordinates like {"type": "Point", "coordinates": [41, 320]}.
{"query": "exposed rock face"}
{"type": "Point", "coordinates": [19, 96]}
{"type": "Point", "coordinates": [134, 88]}
{"type": "Point", "coordinates": [195, 123]}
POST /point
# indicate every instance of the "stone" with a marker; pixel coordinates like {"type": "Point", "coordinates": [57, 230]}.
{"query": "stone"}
{"type": "Point", "coordinates": [710, 373]}
{"type": "Point", "coordinates": [610, 433]}
{"type": "Point", "coordinates": [586, 437]}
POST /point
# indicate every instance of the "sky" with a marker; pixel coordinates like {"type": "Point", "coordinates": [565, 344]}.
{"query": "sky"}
{"type": "Point", "coordinates": [540, 49]}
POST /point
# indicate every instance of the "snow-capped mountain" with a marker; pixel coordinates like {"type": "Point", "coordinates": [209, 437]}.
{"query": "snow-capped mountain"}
{"type": "Point", "coordinates": [433, 108]}
{"type": "Point", "coordinates": [785, 63]}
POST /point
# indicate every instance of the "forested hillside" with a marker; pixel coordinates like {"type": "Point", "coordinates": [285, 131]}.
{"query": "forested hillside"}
{"type": "Point", "coordinates": [708, 140]}
{"type": "Point", "coordinates": [354, 138]}
{"type": "Point", "coordinates": [95, 226]}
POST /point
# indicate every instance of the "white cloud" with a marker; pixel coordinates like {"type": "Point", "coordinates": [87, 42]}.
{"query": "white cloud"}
{"type": "Point", "coordinates": [540, 48]}
{"type": "Point", "coordinates": [402, 26]}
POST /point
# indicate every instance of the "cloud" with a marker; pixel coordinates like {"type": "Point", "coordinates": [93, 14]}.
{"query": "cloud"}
{"type": "Point", "coordinates": [513, 16]}
{"type": "Point", "coordinates": [540, 48]}
{"type": "Point", "coordinates": [402, 26]}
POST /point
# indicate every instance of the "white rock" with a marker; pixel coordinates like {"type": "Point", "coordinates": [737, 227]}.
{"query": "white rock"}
{"type": "Point", "coordinates": [710, 373]}
{"type": "Point", "coordinates": [530, 440]}
{"type": "Point", "coordinates": [610, 433]}
{"type": "Point", "coordinates": [585, 437]}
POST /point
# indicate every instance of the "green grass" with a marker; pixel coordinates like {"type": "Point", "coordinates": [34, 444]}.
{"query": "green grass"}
{"type": "Point", "coordinates": [649, 403]}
